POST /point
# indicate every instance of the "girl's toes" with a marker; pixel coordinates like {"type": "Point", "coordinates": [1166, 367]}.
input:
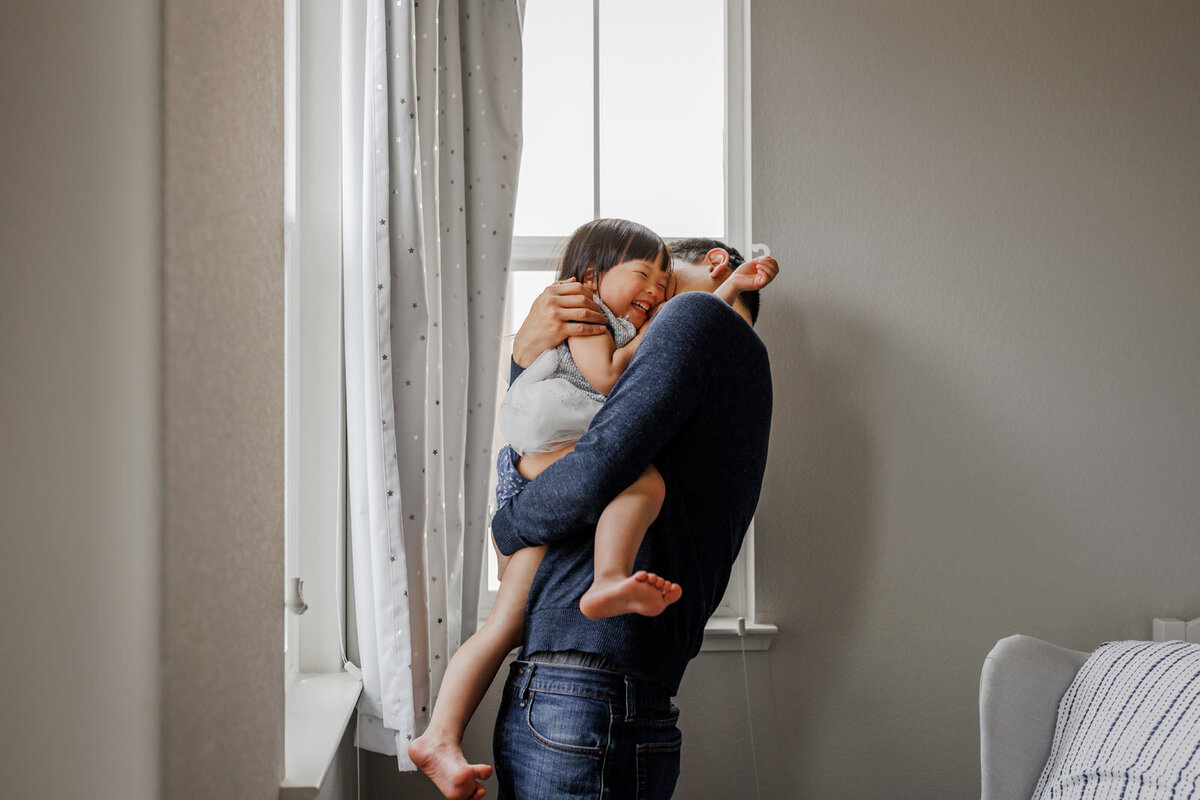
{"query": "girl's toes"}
{"type": "Point", "coordinates": [672, 593]}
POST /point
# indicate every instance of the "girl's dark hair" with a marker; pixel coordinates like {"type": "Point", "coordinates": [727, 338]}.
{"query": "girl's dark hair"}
{"type": "Point", "coordinates": [603, 243]}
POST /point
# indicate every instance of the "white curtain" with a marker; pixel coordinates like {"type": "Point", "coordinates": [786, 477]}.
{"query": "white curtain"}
{"type": "Point", "coordinates": [431, 121]}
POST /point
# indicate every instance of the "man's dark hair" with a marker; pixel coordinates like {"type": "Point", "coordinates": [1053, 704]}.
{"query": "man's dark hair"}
{"type": "Point", "coordinates": [692, 251]}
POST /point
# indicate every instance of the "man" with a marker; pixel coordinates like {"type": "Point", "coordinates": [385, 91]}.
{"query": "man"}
{"type": "Point", "coordinates": [588, 707]}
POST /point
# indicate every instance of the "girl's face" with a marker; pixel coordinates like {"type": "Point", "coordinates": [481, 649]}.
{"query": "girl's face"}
{"type": "Point", "coordinates": [633, 288]}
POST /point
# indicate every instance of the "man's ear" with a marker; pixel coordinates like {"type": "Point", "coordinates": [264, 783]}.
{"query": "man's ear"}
{"type": "Point", "coordinates": [718, 264]}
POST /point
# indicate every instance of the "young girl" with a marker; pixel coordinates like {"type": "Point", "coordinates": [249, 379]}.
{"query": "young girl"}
{"type": "Point", "coordinates": [552, 403]}
{"type": "Point", "coordinates": [547, 409]}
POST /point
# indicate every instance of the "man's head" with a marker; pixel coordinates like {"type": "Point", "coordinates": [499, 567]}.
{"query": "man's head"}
{"type": "Point", "coordinates": [701, 265]}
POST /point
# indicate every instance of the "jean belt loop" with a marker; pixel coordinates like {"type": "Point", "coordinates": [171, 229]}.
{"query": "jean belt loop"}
{"type": "Point", "coordinates": [630, 699]}
{"type": "Point", "coordinates": [527, 670]}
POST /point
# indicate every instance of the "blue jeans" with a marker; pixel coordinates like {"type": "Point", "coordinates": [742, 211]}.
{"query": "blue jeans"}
{"type": "Point", "coordinates": [572, 732]}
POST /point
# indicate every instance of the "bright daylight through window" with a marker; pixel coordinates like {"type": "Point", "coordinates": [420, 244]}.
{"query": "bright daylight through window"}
{"type": "Point", "coordinates": [657, 155]}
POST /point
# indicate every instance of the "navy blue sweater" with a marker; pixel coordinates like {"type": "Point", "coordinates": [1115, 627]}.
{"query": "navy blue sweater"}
{"type": "Point", "coordinates": [696, 401]}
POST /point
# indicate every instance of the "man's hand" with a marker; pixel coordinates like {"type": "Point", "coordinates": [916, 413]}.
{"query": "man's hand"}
{"type": "Point", "coordinates": [564, 309]}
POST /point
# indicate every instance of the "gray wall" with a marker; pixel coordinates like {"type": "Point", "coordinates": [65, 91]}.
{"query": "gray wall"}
{"type": "Point", "coordinates": [986, 349]}
{"type": "Point", "coordinates": [79, 399]}
{"type": "Point", "coordinates": [223, 399]}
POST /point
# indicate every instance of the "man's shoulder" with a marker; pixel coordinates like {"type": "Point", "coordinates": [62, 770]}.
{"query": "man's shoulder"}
{"type": "Point", "coordinates": [704, 318]}
{"type": "Point", "coordinates": [695, 303]}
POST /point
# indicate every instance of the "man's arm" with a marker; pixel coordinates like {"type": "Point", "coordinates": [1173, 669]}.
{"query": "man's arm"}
{"type": "Point", "coordinates": [655, 398]}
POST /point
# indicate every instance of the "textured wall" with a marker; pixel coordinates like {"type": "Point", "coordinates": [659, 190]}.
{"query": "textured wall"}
{"type": "Point", "coordinates": [986, 348]}
{"type": "Point", "coordinates": [223, 406]}
{"type": "Point", "coordinates": [79, 399]}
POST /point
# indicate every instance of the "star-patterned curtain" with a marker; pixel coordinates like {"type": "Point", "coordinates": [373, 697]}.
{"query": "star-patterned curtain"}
{"type": "Point", "coordinates": [431, 140]}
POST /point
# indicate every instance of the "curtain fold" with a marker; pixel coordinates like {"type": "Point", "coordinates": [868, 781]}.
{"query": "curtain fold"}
{"type": "Point", "coordinates": [431, 113]}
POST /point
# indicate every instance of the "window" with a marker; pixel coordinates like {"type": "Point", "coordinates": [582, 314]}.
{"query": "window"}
{"type": "Point", "coordinates": [626, 114]}
{"type": "Point", "coordinates": [314, 461]}
{"type": "Point", "coordinates": [635, 109]}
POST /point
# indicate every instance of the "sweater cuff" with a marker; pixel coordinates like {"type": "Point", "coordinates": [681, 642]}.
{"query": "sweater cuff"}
{"type": "Point", "coordinates": [505, 533]}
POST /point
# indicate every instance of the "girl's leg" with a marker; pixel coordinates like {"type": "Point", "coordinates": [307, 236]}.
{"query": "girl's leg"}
{"type": "Point", "coordinates": [532, 464]}
{"type": "Point", "coordinates": [438, 751]}
{"type": "Point", "coordinates": [529, 467]}
{"type": "Point", "coordinates": [619, 533]}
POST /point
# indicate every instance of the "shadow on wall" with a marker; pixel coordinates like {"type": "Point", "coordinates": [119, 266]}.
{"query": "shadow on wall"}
{"type": "Point", "coordinates": [816, 509]}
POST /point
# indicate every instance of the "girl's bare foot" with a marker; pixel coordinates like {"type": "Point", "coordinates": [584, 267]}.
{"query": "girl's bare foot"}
{"type": "Point", "coordinates": [641, 593]}
{"type": "Point", "coordinates": [443, 761]}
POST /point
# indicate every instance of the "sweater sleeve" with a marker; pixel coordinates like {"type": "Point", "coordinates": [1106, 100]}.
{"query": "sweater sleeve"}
{"type": "Point", "coordinates": [513, 371]}
{"type": "Point", "coordinates": [650, 403]}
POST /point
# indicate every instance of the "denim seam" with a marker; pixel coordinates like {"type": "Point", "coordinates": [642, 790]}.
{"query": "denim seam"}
{"type": "Point", "coordinates": [608, 699]}
{"type": "Point", "coordinates": [660, 747]}
{"type": "Point", "coordinates": [645, 722]}
{"type": "Point", "coordinates": [604, 756]}
{"type": "Point", "coordinates": [595, 670]}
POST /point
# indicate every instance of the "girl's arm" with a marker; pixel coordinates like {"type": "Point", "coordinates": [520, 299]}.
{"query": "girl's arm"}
{"type": "Point", "coordinates": [749, 277]}
{"type": "Point", "coordinates": [600, 361]}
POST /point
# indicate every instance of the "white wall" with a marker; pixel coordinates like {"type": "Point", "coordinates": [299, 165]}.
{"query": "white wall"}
{"type": "Point", "coordinates": [986, 350]}
{"type": "Point", "coordinates": [79, 399]}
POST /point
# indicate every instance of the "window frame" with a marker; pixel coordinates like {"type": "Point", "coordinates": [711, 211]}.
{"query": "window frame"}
{"type": "Point", "coordinates": [315, 464]}
{"type": "Point", "coordinates": [291, 640]}
{"type": "Point", "coordinates": [321, 687]}
{"type": "Point", "coordinates": [734, 625]}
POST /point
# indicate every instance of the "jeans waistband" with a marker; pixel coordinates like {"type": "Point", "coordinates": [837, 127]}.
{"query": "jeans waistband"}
{"type": "Point", "coordinates": [624, 691]}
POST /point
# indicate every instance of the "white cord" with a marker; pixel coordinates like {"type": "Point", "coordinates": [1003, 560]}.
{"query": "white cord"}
{"type": "Point", "coordinates": [339, 538]}
{"type": "Point", "coordinates": [340, 528]}
{"type": "Point", "coordinates": [741, 629]}
{"type": "Point", "coordinates": [338, 552]}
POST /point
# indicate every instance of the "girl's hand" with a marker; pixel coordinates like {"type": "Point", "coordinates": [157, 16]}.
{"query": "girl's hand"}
{"type": "Point", "coordinates": [563, 309]}
{"type": "Point", "coordinates": [754, 275]}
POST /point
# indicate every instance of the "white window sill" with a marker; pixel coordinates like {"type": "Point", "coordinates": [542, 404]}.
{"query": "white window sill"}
{"type": "Point", "coordinates": [316, 711]}
{"type": "Point", "coordinates": [721, 635]}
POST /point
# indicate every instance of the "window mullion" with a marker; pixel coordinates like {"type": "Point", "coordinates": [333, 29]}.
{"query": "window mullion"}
{"type": "Point", "coordinates": [596, 108]}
